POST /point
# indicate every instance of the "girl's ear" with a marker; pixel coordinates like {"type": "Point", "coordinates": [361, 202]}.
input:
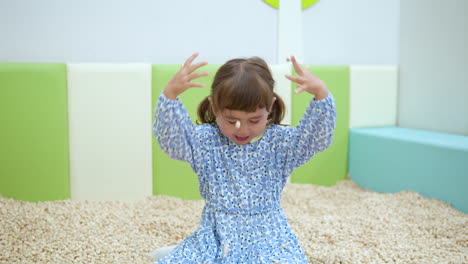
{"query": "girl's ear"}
{"type": "Point", "coordinates": [272, 103]}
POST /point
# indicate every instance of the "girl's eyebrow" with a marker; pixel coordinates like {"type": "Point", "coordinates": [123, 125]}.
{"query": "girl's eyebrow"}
{"type": "Point", "coordinates": [253, 117]}
{"type": "Point", "coordinates": [229, 117]}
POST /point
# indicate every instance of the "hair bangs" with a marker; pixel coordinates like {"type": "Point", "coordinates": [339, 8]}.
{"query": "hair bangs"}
{"type": "Point", "coordinates": [247, 92]}
{"type": "Point", "coordinates": [244, 85]}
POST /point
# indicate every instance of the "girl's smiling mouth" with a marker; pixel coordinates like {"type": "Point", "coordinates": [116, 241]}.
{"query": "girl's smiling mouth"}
{"type": "Point", "coordinates": [242, 139]}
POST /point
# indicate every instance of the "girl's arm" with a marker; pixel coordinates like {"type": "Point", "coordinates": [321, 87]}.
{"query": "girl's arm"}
{"type": "Point", "coordinates": [314, 132]}
{"type": "Point", "coordinates": [172, 125]}
{"type": "Point", "coordinates": [173, 129]}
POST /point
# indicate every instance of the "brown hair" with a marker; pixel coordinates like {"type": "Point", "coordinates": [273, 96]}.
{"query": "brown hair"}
{"type": "Point", "coordinates": [244, 85]}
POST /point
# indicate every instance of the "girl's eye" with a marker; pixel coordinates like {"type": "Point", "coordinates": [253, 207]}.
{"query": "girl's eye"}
{"type": "Point", "coordinates": [232, 122]}
{"type": "Point", "coordinates": [254, 121]}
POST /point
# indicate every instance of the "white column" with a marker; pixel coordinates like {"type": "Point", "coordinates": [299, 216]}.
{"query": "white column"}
{"type": "Point", "coordinates": [290, 40]}
{"type": "Point", "coordinates": [283, 87]}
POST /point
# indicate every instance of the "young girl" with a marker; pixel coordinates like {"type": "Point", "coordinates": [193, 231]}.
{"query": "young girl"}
{"type": "Point", "coordinates": [242, 157]}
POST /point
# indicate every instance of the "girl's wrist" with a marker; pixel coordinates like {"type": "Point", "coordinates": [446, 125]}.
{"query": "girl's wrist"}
{"type": "Point", "coordinates": [321, 95]}
{"type": "Point", "coordinates": [169, 94]}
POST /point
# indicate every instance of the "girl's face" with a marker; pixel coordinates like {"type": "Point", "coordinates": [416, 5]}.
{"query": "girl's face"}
{"type": "Point", "coordinates": [249, 124]}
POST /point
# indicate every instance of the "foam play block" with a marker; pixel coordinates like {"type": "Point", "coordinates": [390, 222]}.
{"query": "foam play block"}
{"type": "Point", "coordinates": [110, 131]}
{"type": "Point", "coordinates": [373, 96]}
{"type": "Point", "coordinates": [34, 160]}
{"type": "Point", "coordinates": [330, 166]}
{"type": "Point", "coordinates": [393, 159]}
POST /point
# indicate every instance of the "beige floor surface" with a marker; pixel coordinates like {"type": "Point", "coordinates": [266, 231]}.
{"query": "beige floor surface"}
{"type": "Point", "coordinates": [339, 224]}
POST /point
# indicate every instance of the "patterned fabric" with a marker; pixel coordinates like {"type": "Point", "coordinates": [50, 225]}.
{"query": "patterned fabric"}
{"type": "Point", "coordinates": [242, 221]}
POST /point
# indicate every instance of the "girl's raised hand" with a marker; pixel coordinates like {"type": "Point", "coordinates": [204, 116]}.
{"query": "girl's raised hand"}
{"type": "Point", "coordinates": [183, 79]}
{"type": "Point", "coordinates": [306, 81]}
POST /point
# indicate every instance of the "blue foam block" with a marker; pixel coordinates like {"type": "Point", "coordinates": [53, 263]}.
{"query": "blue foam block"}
{"type": "Point", "coordinates": [393, 159]}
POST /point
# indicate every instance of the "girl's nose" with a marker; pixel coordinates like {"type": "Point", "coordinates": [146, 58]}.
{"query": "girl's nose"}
{"type": "Point", "coordinates": [243, 130]}
{"type": "Point", "coordinates": [238, 124]}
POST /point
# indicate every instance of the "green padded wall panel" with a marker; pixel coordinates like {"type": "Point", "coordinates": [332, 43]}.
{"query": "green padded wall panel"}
{"type": "Point", "coordinates": [172, 177]}
{"type": "Point", "coordinates": [326, 168]}
{"type": "Point", "coordinates": [34, 131]}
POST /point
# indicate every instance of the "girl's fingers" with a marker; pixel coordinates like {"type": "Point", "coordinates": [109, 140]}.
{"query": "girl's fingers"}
{"type": "Point", "coordinates": [190, 59]}
{"type": "Point", "coordinates": [197, 84]}
{"type": "Point", "coordinates": [296, 66]}
{"type": "Point", "coordinates": [197, 75]}
{"type": "Point", "coordinates": [196, 66]}
{"type": "Point", "coordinates": [299, 90]}
{"type": "Point", "coordinates": [298, 80]}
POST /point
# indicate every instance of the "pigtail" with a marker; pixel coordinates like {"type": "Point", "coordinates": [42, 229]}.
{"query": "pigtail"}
{"type": "Point", "coordinates": [205, 112]}
{"type": "Point", "coordinates": [278, 110]}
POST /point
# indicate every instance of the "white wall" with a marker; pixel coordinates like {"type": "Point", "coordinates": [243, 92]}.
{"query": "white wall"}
{"type": "Point", "coordinates": [434, 65]}
{"type": "Point", "coordinates": [362, 32]}
{"type": "Point", "coordinates": [155, 31]}
{"type": "Point", "coordinates": [166, 31]}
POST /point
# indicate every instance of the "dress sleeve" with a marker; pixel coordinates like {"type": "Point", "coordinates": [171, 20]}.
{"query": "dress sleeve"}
{"type": "Point", "coordinates": [313, 134]}
{"type": "Point", "coordinates": [173, 129]}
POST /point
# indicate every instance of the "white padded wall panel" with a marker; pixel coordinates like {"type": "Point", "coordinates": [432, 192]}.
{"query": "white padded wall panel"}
{"type": "Point", "coordinates": [283, 87]}
{"type": "Point", "coordinates": [110, 131]}
{"type": "Point", "coordinates": [373, 96]}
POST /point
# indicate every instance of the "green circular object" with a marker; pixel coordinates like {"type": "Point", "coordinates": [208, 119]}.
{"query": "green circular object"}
{"type": "Point", "coordinates": [273, 3]}
{"type": "Point", "coordinates": [305, 3]}
{"type": "Point", "coordinates": [308, 3]}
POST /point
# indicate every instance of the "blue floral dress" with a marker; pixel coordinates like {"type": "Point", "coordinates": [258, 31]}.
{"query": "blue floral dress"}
{"type": "Point", "coordinates": [242, 221]}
